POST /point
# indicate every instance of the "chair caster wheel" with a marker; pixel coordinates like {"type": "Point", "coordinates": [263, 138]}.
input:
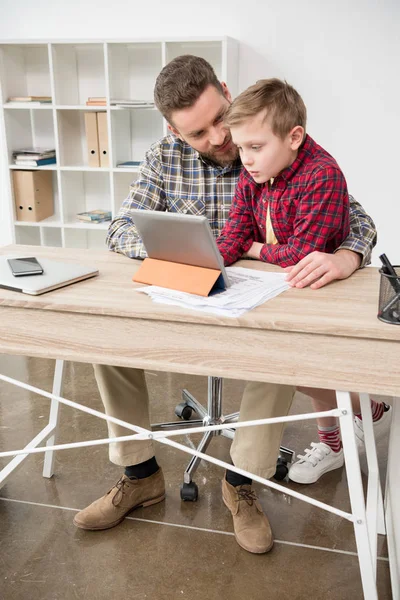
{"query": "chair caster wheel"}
{"type": "Point", "coordinates": [183, 411]}
{"type": "Point", "coordinates": [281, 470]}
{"type": "Point", "coordinates": [189, 492]}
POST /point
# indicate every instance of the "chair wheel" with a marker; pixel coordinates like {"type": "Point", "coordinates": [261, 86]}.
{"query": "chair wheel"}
{"type": "Point", "coordinates": [189, 492]}
{"type": "Point", "coordinates": [183, 411]}
{"type": "Point", "coordinates": [281, 471]}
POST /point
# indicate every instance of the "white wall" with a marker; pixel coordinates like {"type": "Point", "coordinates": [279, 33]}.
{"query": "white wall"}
{"type": "Point", "coordinates": [342, 56]}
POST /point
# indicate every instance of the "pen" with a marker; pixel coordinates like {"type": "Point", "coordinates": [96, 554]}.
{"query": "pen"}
{"type": "Point", "coordinates": [388, 269]}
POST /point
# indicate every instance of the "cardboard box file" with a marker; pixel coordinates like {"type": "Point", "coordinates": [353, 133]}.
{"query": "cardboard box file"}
{"type": "Point", "coordinates": [92, 139]}
{"type": "Point", "coordinates": [103, 139]}
{"type": "Point", "coordinates": [33, 195]}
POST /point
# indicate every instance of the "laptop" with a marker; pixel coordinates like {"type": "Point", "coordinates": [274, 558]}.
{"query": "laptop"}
{"type": "Point", "coordinates": [55, 275]}
{"type": "Point", "coordinates": [179, 238]}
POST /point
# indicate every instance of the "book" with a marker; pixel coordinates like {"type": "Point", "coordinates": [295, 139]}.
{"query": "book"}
{"type": "Point", "coordinates": [129, 164]}
{"type": "Point", "coordinates": [33, 153]}
{"type": "Point", "coordinates": [128, 102]}
{"type": "Point", "coordinates": [94, 216]}
{"type": "Point", "coordinates": [92, 103]}
{"type": "Point", "coordinates": [36, 163]}
{"type": "Point", "coordinates": [29, 99]}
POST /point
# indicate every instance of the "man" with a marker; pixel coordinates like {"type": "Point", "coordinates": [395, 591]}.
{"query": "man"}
{"type": "Point", "coordinates": [195, 171]}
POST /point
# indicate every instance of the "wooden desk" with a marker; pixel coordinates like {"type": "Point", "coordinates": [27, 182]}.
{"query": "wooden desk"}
{"type": "Point", "coordinates": [326, 338]}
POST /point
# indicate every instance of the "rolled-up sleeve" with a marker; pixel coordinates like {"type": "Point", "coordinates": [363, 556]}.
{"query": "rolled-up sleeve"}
{"type": "Point", "coordinates": [146, 193]}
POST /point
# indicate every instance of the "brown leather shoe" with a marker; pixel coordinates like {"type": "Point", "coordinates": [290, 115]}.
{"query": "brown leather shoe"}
{"type": "Point", "coordinates": [250, 524]}
{"type": "Point", "coordinates": [125, 496]}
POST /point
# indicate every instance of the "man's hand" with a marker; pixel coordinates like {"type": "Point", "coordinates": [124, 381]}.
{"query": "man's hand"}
{"type": "Point", "coordinates": [254, 251]}
{"type": "Point", "coordinates": [319, 268]}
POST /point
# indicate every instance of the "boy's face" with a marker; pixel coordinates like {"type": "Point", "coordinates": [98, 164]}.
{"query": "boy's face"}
{"type": "Point", "coordinates": [201, 126]}
{"type": "Point", "coordinates": [264, 154]}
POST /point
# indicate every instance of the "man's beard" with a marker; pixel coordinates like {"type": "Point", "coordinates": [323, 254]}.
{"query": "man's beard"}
{"type": "Point", "coordinates": [222, 158]}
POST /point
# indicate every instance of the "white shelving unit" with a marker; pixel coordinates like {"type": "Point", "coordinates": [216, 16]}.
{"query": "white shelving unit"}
{"type": "Point", "coordinates": [71, 71]}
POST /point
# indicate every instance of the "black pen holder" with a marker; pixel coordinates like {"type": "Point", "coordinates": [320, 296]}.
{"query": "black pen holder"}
{"type": "Point", "coordinates": [389, 297]}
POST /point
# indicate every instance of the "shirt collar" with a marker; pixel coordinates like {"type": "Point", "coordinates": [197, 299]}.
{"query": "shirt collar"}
{"type": "Point", "coordinates": [304, 151]}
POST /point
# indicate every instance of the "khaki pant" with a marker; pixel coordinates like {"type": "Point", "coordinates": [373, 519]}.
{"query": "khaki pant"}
{"type": "Point", "coordinates": [124, 394]}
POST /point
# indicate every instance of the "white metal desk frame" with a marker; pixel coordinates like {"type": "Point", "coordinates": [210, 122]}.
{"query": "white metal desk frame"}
{"type": "Point", "coordinates": [367, 518]}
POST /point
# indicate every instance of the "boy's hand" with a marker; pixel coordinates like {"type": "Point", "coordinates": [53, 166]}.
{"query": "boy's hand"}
{"type": "Point", "coordinates": [254, 251]}
{"type": "Point", "coordinates": [320, 268]}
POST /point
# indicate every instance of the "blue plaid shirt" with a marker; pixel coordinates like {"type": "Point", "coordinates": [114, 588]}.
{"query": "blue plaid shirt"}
{"type": "Point", "coordinates": [173, 177]}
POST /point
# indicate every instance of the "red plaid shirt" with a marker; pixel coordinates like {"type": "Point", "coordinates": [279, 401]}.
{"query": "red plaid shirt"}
{"type": "Point", "coordinates": [309, 210]}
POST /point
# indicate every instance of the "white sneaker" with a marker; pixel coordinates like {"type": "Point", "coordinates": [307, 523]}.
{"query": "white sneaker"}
{"type": "Point", "coordinates": [381, 428]}
{"type": "Point", "coordinates": [316, 461]}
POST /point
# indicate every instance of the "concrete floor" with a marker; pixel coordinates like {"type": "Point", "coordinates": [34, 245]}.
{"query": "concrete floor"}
{"type": "Point", "coordinates": [170, 550]}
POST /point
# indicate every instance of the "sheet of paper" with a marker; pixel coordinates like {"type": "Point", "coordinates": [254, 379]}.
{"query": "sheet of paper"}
{"type": "Point", "coordinates": [249, 289]}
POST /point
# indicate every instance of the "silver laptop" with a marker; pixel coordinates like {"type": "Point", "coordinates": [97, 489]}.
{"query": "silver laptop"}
{"type": "Point", "coordinates": [180, 238]}
{"type": "Point", "coordinates": [55, 275]}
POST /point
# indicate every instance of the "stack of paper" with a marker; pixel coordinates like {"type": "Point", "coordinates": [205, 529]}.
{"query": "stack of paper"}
{"type": "Point", "coordinates": [249, 288]}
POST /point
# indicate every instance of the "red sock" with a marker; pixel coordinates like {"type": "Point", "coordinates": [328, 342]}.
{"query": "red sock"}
{"type": "Point", "coordinates": [331, 437]}
{"type": "Point", "coordinates": [377, 409]}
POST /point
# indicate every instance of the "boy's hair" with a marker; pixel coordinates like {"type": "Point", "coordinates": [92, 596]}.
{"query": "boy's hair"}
{"type": "Point", "coordinates": [181, 83]}
{"type": "Point", "coordinates": [284, 106]}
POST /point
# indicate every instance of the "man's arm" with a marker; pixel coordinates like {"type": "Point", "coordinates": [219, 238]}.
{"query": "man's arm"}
{"type": "Point", "coordinates": [146, 193]}
{"type": "Point", "coordinates": [317, 269]}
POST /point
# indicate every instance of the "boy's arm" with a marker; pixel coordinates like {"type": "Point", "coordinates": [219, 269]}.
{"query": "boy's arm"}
{"type": "Point", "coordinates": [321, 214]}
{"type": "Point", "coordinates": [236, 236]}
{"type": "Point", "coordinates": [319, 269]}
{"type": "Point", "coordinates": [146, 193]}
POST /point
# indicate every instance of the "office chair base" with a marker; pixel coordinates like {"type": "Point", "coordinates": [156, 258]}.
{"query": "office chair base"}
{"type": "Point", "coordinates": [211, 415]}
{"type": "Point", "coordinates": [189, 492]}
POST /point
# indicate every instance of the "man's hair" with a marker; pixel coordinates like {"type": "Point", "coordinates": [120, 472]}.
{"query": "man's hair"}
{"type": "Point", "coordinates": [181, 83]}
{"type": "Point", "coordinates": [284, 106]}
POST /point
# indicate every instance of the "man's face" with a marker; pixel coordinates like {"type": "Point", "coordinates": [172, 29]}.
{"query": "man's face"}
{"type": "Point", "coordinates": [264, 154]}
{"type": "Point", "coordinates": [201, 126]}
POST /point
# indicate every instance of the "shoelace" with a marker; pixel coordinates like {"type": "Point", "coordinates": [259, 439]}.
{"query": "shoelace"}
{"type": "Point", "coordinates": [313, 455]}
{"type": "Point", "coordinates": [248, 496]}
{"type": "Point", "coordinates": [120, 485]}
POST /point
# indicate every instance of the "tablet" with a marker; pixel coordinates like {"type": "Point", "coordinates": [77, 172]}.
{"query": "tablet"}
{"type": "Point", "coordinates": [180, 238]}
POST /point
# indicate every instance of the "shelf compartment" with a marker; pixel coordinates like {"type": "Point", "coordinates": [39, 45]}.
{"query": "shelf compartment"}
{"type": "Point", "coordinates": [26, 128]}
{"type": "Point", "coordinates": [79, 72]}
{"type": "Point", "coordinates": [25, 70]}
{"type": "Point", "coordinates": [133, 132]}
{"type": "Point", "coordinates": [73, 143]}
{"type": "Point", "coordinates": [122, 182]}
{"type": "Point", "coordinates": [85, 238]}
{"type": "Point", "coordinates": [51, 236]}
{"type": "Point", "coordinates": [28, 236]}
{"type": "Point", "coordinates": [84, 191]}
{"type": "Point", "coordinates": [133, 70]}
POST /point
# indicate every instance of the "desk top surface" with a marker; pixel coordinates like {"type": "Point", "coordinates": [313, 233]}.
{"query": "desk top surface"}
{"type": "Point", "coordinates": [344, 308]}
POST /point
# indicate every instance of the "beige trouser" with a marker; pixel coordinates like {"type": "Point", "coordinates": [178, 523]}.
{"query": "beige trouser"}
{"type": "Point", "coordinates": [124, 394]}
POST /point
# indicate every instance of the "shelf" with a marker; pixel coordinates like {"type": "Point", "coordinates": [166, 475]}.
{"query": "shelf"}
{"type": "Point", "coordinates": [53, 221]}
{"type": "Point", "coordinates": [40, 168]}
{"type": "Point", "coordinates": [84, 168]}
{"type": "Point", "coordinates": [81, 107]}
{"type": "Point", "coordinates": [122, 170]}
{"type": "Point", "coordinates": [27, 106]}
{"type": "Point", "coordinates": [82, 225]}
{"type": "Point", "coordinates": [71, 71]}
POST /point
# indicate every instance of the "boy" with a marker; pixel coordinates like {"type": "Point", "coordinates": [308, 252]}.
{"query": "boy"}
{"type": "Point", "coordinates": [290, 200]}
{"type": "Point", "coordinates": [291, 197]}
